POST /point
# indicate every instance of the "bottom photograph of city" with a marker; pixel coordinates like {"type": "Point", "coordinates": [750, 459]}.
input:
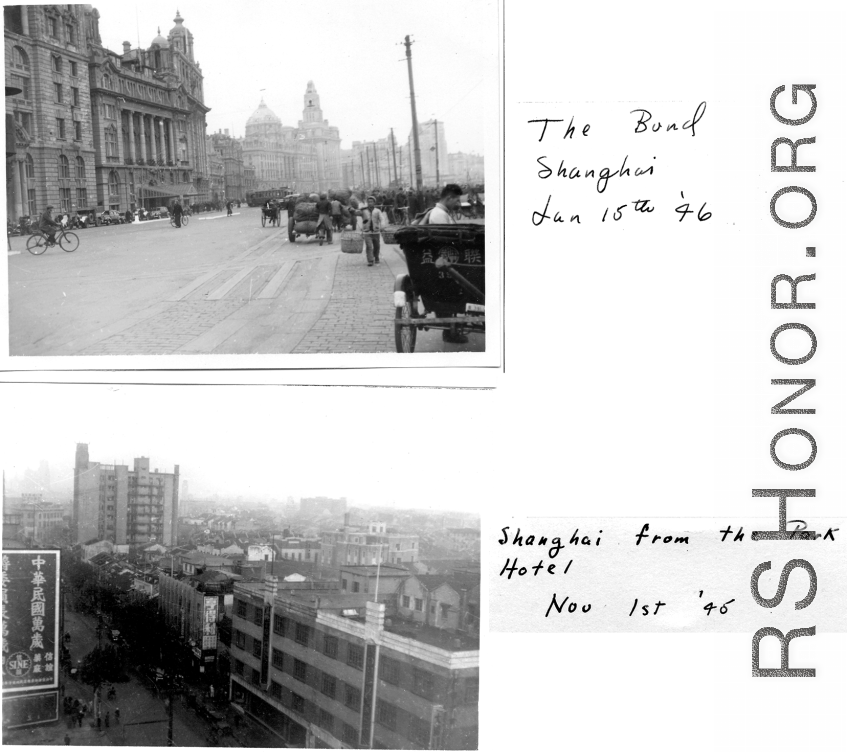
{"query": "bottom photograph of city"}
{"type": "Point", "coordinates": [167, 598]}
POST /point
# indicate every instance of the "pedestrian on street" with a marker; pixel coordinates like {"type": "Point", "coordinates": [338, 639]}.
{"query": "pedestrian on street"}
{"type": "Point", "coordinates": [336, 214]}
{"type": "Point", "coordinates": [67, 740]}
{"type": "Point", "coordinates": [117, 715]}
{"type": "Point", "coordinates": [324, 208]}
{"type": "Point", "coordinates": [229, 208]}
{"type": "Point", "coordinates": [79, 717]}
{"type": "Point", "coordinates": [373, 220]}
{"type": "Point", "coordinates": [177, 210]}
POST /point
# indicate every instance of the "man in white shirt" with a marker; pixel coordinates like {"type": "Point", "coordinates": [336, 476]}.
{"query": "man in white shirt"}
{"type": "Point", "coordinates": [373, 220]}
{"type": "Point", "coordinates": [451, 198]}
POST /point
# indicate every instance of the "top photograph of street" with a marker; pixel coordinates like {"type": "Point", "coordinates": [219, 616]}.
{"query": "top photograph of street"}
{"type": "Point", "coordinates": [266, 180]}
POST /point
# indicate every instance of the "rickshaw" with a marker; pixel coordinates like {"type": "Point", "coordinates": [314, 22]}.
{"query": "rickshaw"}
{"type": "Point", "coordinates": [445, 284]}
{"type": "Point", "coordinates": [271, 214]}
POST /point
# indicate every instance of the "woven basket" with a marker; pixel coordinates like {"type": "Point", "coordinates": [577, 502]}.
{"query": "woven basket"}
{"type": "Point", "coordinates": [352, 241]}
{"type": "Point", "coordinates": [388, 234]}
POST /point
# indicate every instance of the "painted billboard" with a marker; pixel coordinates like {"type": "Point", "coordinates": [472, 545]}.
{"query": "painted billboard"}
{"type": "Point", "coordinates": [30, 598]}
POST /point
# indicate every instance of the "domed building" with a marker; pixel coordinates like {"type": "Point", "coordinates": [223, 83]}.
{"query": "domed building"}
{"type": "Point", "coordinates": [303, 159]}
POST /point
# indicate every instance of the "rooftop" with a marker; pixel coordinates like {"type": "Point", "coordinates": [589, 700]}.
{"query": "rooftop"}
{"type": "Point", "coordinates": [440, 638]}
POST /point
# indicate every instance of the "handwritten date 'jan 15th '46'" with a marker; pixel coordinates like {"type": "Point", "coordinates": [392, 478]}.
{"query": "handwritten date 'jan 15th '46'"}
{"type": "Point", "coordinates": [617, 213]}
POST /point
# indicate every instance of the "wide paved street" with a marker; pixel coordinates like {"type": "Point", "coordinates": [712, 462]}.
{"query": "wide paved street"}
{"type": "Point", "coordinates": [220, 285]}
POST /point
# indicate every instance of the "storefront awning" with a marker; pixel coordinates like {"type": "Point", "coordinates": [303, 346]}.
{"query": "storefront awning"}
{"type": "Point", "coordinates": [175, 190]}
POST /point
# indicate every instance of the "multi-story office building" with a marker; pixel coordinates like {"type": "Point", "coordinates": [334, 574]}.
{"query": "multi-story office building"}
{"type": "Point", "coordinates": [332, 670]}
{"type": "Point", "coordinates": [114, 503]}
{"type": "Point", "coordinates": [193, 605]}
{"type": "Point", "coordinates": [97, 129]}
{"type": "Point", "coordinates": [228, 151]}
{"type": "Point", "coordinates": [40, 522]}
{"type": "Point", "coordinates": [368, 544]}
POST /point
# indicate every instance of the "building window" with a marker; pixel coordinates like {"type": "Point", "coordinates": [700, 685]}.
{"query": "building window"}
{"type": "Point", "coordinates": [418, 604]}
{"type": "Point", "coordinates": [53, 28]}
{"type": "Point", "coordinates": [60, 127]}
{"type": "Point", "coordinates": [81, 198]}
{"type": "Point", "coordinates": [257, 677]}
{"type": "Point", "coordinates": [343, 584]}
{"type": "Point", "coordinates": [299, 670]}
{"type": "Point", "coordinates": [386, 714]}
{"type": "Point", "coordinates": [389, 671]}
{"type": "Point", "coordinates": [109, 111]}
{"type": "Point", "coordinates": [77, 130]}
{"type": "Point", "coordinates": [241, 609]}
{"type": "Point", "coordinates": [20, 58]}
{"type": "Point", "coordinates": [406, 601]}
{"type": "Point", "coordinates": [80, 168]}
{"type": "Point", "coordinates": [240, 639]}
{"type": "Point", "coordinates": [278, 658]}
{"type": "Point", "coordinates": [472, 690]}
{"type": "Point", "coordinates": [70, 34]}
{"type": "Point", "coordinates": [75, 96]}
{"type": "Point", "coordinates": [30, 201]}
{"type": "Point", "coordinates": [73, 68]}
{"type": "Point", "coordinates": [257, 648]}
{"type": "Point", "coordinates": [257, 616]}
{"type": "Point", "coordinates": [423, 683]}
{"type": "Point", "coordinates": [57, 64]}
{"type": "Point", "coordinates": [22, 82]}
{"type": "Point", "coordinates": [355, 587]}
{"type": "Point", "coordinates": [419, 731]}
{"type": "Point", "coordinates": [349, 735]}
{"type": "Point", "coordinates": [328, 685]}
{"type": "Point", "coordinates": [113, 183]}
{"type": "Point", "coordinates": [65, 199]}
{"type": "Point", "coordinates": [432, 608]}
{"type": "Point", "coordinates": [445, 610]}
{"type": "Point", "coordinates": [301, 634]}
{"type": "Point", "coordinates": [279, 625]}
{"type": "Point", "coordinates": [276, 690]}
{"type": "Point", "coordinates": [355, 656]}
{"type": "Point", "coordinates": [326, 720]}
{"type": "Point", "coordinates": [107, 82]}
{"type": "Point", "coordinates": [352, 697]}
{"type": "Point", "coordinates": [298, 704]}
{"type": "Point", "coordinates": [331, 646]}
{"type": "Point", "coordinates": [239, 668]}
{"type": "Point", "coordinates": [111, 142]}
{"type": "Point", "coordinates": [24, 120]}
{"type": "Point", "coordinates": [64, 167]}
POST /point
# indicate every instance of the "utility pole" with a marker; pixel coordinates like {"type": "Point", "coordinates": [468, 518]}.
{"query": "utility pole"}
{"type": "Point", "coordinates": [437, 174]}
{"type": "Point", "coordinates": [394, 155]}
{"type": "Point", "coordinates": [418, 176]}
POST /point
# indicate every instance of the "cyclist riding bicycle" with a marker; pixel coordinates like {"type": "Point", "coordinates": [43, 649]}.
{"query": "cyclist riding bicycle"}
{"type": "Point", "coordinates": [48, 226]}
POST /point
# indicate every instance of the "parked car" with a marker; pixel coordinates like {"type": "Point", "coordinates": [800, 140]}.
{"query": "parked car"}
{"type": "Point", "coordinates": [111, 217]}
{"type": "Point", "coordinates": [160, 212]}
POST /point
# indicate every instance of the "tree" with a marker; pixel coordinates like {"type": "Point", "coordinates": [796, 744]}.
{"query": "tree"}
{"type": "Point", "coordinates": [101, 665]}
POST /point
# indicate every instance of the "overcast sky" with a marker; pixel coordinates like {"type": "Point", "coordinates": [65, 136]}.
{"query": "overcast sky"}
{"type": "Point", "coordinates": [362, 443]}
{"type": "Point", "coordinates": [352, 51]}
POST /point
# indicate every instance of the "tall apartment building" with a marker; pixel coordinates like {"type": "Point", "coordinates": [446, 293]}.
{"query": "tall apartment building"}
{"type": "Point", "coordinates": [114, 503]}
{"type": "Point", "coordinates": [329, 670]}
{"type": "Point", "coordinates": [368, 544]}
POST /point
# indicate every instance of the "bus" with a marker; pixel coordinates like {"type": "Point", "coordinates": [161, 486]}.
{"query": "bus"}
{"type": "Point", "coordinates": [258, 198]}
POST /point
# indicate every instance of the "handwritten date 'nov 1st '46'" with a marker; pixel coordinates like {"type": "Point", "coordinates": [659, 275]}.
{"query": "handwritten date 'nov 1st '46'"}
{"type": "Point", "coordinates": [601, 177]}
{"type": "Point", "coordinates": [644, 538]}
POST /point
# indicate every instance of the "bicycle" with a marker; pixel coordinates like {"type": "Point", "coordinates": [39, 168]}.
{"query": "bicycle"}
{"type": "Point", "coordinates": [38, 242]}
{"type": "Point", "coordinates": [184, 220]}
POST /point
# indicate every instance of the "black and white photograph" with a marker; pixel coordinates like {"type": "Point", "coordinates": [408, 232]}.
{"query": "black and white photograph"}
{"type": "Point", "coordinates": [227, 584]}
{"type": "Point", "coordinates": [263, 179]}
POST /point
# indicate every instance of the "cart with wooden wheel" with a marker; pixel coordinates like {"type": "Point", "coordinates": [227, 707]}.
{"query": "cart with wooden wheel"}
{"type": "Point", "coordinates": [445, 284]}
{"type": "Point", "coordinates": [271, 214]}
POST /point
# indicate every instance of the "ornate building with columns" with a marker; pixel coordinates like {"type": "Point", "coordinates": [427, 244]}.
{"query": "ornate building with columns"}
{"type": "Point", "coordinates": [95, 129]}
{"type": "Point", "coordinates": [304, 159]}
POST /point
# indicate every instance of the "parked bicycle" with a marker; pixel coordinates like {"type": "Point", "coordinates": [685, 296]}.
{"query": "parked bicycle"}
{"type": "Point", "coordinates": [38, 242]}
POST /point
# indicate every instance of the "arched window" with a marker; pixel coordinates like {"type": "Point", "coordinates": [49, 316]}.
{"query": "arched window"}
{"type": "Point", "coordinates": [113, 182]}
{"type": "Point", "coordinates": [30, 167]}
{"type": "Point", "coordinates": [19, 58]}
{"type": "Point", "coordinates": [80, 168]}
{"type": "Point", "coordinates": [64, 167]}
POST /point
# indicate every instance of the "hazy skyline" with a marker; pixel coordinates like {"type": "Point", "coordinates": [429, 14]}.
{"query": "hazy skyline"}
{"type": "Point", "coordinates": [246, 441]}
{"type": "Point", "coordinates": [353, 53]}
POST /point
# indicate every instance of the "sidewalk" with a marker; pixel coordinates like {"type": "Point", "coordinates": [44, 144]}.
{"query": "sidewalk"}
{"type": "Point", "coordinates": [359, 317]}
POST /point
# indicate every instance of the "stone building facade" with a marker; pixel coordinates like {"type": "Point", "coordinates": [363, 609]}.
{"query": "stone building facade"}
{"type": "Point", "coordinates": [228, 151]}
{"type": "Point", "coordinates": [95, 129]}
{"type": "Point", "coordinates": [46, 52]}
{"type": "Point", "coordinates": [304, 159]}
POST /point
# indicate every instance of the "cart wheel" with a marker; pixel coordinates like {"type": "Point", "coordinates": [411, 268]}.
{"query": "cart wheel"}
{"type": "Point", "coordinates": [291, 237]}
{"type": "Point", "coordinates": [405, 336]}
